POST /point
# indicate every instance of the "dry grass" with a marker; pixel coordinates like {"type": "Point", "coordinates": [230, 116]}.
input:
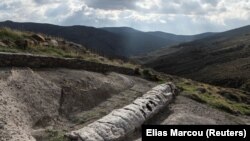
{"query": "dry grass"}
{"type": "Point", "coordinates": [7, 33]}
{"type": "Point", "coordinates": [61, 51]}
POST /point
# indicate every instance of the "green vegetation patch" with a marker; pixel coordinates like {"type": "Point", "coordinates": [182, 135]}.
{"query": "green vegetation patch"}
{"type": "Point", "coordinates": [148, 74]}
{"type": "Point", "coordinates": [212, 96]}
{"type": "Point", "coordinates": [54, 135]}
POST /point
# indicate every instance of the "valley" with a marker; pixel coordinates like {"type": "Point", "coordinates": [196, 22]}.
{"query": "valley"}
{"type": "Point", "coordinates": [220, 60]}
{"type": "Point", "coordinates": [51, 86]}
{"type": "Point", "coordinates": [118, 42]}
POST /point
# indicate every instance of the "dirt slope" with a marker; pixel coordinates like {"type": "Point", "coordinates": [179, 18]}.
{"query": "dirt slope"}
{"type": "Point", "coordinates": [42, 105]}
{"type": "Point", "coordinates": [32, 103]}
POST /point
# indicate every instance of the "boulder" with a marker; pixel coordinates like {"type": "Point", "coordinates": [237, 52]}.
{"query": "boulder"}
{"type": "Point", "coordinates": [2, 44]}
{"type": "Point", "coordinates": [201, 90]}
{"type": "Point", "coordinates": [62, 42]}
{"type": "Point", "coordinates": [71, 44]}
{"type": "Point", "coordinates": [24, 43]}
{"type": "Point", "coordinates": [29, 42]}
{"type": "Point", "coordinates": [53, 43]}
{"type": "Point", "coordinates": [38, 37]}
{"type": "Point", "coordinates": [8, 42]}
{"type": "Point", "coordinates": [45, 44]}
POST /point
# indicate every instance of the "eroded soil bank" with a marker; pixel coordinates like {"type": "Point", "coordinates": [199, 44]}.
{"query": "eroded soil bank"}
{"type": "Point", "coordinates": [36, 103]}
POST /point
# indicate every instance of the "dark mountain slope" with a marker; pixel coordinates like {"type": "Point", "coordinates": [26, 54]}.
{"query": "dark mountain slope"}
{"type": "Point", "coordinates": [222, 59]}
{"type": "Point", "coordinates": [181, 38]}
{"type": "Point", "coordinates": [138, 42]}
{"type": "Point", "coordinates": [122, 42]}
{"type": "Point", "coordinates": [113, 42]}
{"type": "Point", "coordinates": [175, 40]}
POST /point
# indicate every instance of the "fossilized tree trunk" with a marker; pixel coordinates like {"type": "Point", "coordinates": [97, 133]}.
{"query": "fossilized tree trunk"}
{"type": "Point", "coordinates": [121, 122]}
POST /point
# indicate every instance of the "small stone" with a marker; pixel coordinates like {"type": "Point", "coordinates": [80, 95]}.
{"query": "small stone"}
{"type": "Point", "coordinates": [5, 102]}
{"type": "Point", "coordinates": [38, 37]}
{"type": "Point", "coordinates": [1, 125]}
{"type": "Point", "coordinates": [2, 44]}
{"type": "Point", "coordinates": [45, 44]}
{"type": "Point", "coordinates": [201, 90]}
{"type": "Point", "coordinates": [24, 43]}
{"type": "Point", "coordinates": [53, 43]}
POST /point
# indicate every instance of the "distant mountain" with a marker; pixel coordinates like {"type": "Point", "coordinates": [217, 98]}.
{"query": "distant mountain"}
{"type": "Point", "coordinates": [175, 40]}
{"type": "Point", "coordinates": [95, 39]}
{"type": "Point", "coordinates": [113, 41]}
{"type": "Point", "coordinates": [222, 59]}
{"type": "Point", "coordinates": [181, 38]}
{"type": "Point", "coordinates": [138, 42]}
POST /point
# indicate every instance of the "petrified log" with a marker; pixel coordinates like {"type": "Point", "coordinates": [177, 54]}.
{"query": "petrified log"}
{"type": "Point", "coordinates": [121, 122]}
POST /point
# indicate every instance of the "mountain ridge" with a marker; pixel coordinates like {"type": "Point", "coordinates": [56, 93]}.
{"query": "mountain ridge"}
{"type": "Point", "coordinates": [108, 41]}
{"type": "Point", "coordinates": [221, 59]}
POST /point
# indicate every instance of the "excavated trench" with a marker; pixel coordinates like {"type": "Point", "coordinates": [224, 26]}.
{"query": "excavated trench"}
{"type": "Point", "coordinates": [35, 102]}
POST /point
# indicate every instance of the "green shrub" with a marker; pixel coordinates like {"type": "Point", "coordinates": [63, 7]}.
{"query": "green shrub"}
{"type": "Point", "coordinates": [149, 76]}
{"type": "Point", "coordinates": [146, 72]}
{"type": "Point", "coordinates": [54, 135]}
{"type": "Point", "coordinates": [137, 71]}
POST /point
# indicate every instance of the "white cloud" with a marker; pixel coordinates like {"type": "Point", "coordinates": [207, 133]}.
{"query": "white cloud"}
{"type": "Point", "coordinates": [177, 16]}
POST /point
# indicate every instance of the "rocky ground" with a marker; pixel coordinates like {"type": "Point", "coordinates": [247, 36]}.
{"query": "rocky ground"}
{"type": "Point", "coordinates": [185, 111]}
{"type": "Point", "coordinates": [42, 105]}
{"type": "Point", "coordinates": [37, 103]}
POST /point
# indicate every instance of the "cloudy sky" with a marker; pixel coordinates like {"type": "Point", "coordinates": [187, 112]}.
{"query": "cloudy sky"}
{"type": "Point", "coordinates": [174, 16]}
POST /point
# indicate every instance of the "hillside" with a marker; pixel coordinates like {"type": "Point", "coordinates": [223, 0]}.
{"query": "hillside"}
{"type": "Point", "coordinates": [222, 59]}
{"type": "Point", "coordinates": [140, 43]}
{"type": "Point", "coordinates": [96, 40]}
{"type": "Point", "coordinates": [50, 87]}
{"type": "Point", "coordinates": [112, 42]}
{"type": "Point", "coordinates": [175, 40]}
{"type": "Point", "coordinates": [14, 41]}
{"type": "Point", "coordinates": [181, 38]}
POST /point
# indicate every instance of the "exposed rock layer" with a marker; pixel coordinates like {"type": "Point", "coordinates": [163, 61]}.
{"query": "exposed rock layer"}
{"type": "Point", "coordinates": [36, 61]}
